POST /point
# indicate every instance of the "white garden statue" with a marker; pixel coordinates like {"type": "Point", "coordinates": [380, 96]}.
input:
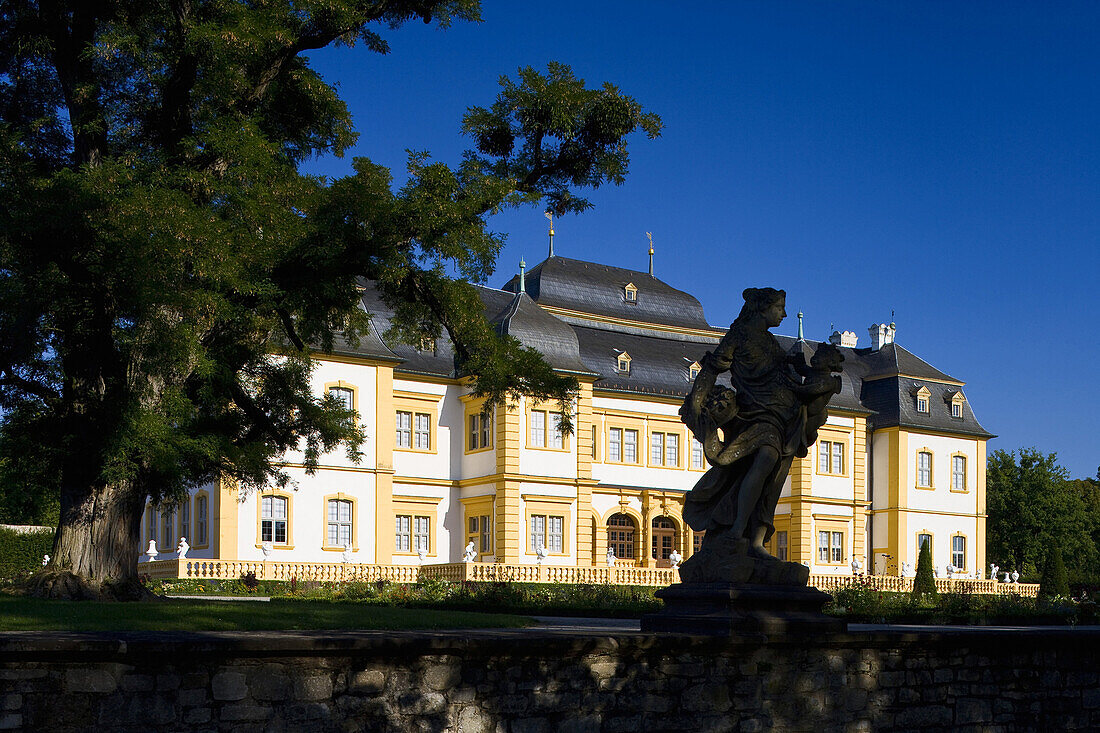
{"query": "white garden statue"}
{"type": "Point", "coordinates": [1008, 577]}
{"type": "Point", "coordinates": [1015, 577]}
{"type": "Point", "coordinates": [907, 569]}
{"type": "Point", "coordinates": [267, 548]}
{"type": "Point", "coordinates": [857, 566]}
{"type": "Point", "coordinates": [471, 554]}
{"type": "Point", "coordinates": [610, 556]}
{"type": "Point", "coordinates": [993, 571]}
{"type": "Point", "coordinates": [541, 552]}
{"type": "Point", "coordinates": [346, 554]}
{"type": "Point", "coordinates": [950, 571]}
{"type": "Point", "coordinates": [45, 560]}
{"type": "Point", "coordinates": [151, 551]}
{"type": "Point", "coordinates": [675, 558]}
{"type": "Point", "coordinates": [182, 548]}
{"type": "Point", "coordinates": [422, 555]}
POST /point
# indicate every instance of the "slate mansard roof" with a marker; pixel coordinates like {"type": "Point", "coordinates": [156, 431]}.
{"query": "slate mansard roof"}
{"type": "Point", "coordinates": [575, 313]}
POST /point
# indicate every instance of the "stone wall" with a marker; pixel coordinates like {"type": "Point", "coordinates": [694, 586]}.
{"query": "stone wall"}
{"type": "Point", "coordinates": [535, 682]}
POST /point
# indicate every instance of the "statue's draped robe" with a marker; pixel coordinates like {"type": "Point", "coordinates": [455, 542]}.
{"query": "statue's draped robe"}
{"type": "Point", "coordinates": [768, 413]}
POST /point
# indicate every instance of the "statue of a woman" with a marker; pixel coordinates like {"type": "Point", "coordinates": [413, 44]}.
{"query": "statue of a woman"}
{"type": "Point", "coordinates": [752, 432]}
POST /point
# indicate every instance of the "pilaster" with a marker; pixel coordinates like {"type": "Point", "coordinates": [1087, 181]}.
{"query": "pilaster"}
{"type": "Point", "coordinates": [385, 440]}
{"type": "Point", "coordinates": [583, 433]}
{"type": "Point", "coordinates": [800, 540]}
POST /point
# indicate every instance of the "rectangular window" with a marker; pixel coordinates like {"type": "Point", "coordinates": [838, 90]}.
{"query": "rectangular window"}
{"type": "Point", "coordinates": [273, 517]}
{"type": "Point", "coordinates": [830, 547]}
{"type": "Point", "coordinates": [185, 520]}
{"type": "Point", "coordinates": [555, 534]}
{"type": "Point", "coordinates": [958, 551]}
{"type": "Point", "coordinates": [150, 523]}
{"type": "Point", "coordinates": [481, 432]}
{"type": "Point", "coordinates": [538, 429]}
{"type": "Point", "coordinates": [422, 436]}
{"type": "Point", "coordinates": [630, 446]}
{"type": "Point", "coordinates": [593, 441]}
{"type": "Point", "coordinates": [657, 449]}
{"type": "Point", "coordinates": [615, 445]}
{"type": "Point", "coordinates": [404, 429]}
{"type": "Point", "coordinates": [548, 531]}
{"type": "Point", "coordinates": [698, 460]}
{"type": "Point", "coordinates": [201, 514]}
{"type": "Point", "coordinates": [167, 530]}
{"type": "Point", "coordinates": [403, 536]}
{"type": "Point", "coordinates": [339, 523]}
{"type": "Point", "coordinates": [486, 534]}
{"type": "Point", "coordinates": [781, 545]}
{"type": "Point", "coordinates": [924, 469]}
{"type": "Point", "coordinates": [538, 531]}
{"type": "Point", "coordinates": [672, 450]}
{"type": "Point", "coordinates": [956, 409]}
{"type": "Point", "coordinates": [958, 473]}
{"type": "Point", "coordinates": [830, 457]}
{"type": "Point", "coordinates": [345, 396]}
{"type": "Point", "coordinates": [922, 540]}
{"type": "Point", "coordinates": [422, 534]}
{"type": "Point", "coordinates": [922, 404]}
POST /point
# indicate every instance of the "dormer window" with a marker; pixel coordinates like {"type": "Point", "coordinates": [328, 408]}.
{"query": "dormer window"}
{"type": "Point", "coordinates": [630, 293]}
{"type": "Point", "coordinates": [957, 401]}
{"type": "Point", "coordinates": [693, 371]}
{"type": "Point", "coordinates": [427, 345]}
{"type": "Point", "coordinates": [922, 399]}
{"type": "Point", "coordinates": [622, 364]}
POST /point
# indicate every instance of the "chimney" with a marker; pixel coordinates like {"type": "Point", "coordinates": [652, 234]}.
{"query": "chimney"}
{"type": "Point", "coordinates": [844, 338]}
{"type": "Point", "coordinates": [881, 334]}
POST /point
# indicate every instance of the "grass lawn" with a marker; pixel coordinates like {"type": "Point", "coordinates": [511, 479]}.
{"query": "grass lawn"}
{"type": "Point", "coordinates": [31, 614]}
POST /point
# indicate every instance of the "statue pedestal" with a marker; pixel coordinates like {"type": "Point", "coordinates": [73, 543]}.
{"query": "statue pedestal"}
{"type": "Point", "coordinates": [727, 608]}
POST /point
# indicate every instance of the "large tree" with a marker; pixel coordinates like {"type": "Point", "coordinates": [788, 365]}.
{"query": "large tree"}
{"type": "Point", "coordinates": [166, 271]}
{"type": "Point", "coordinates": [1033, 506]}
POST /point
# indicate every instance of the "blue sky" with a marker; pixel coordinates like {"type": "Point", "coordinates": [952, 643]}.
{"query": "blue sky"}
{"type": "Point", "coordinates": [937, 160]}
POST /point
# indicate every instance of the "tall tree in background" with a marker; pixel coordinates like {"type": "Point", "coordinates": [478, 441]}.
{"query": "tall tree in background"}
{"type": "Point", "coordinates": [1033, 506]}
{"type": "Point", "coordinates": [158, 244]}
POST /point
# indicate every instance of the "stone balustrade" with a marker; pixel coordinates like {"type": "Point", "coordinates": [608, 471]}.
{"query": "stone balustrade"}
{"type": "Point", "coordinates": [618, 574]}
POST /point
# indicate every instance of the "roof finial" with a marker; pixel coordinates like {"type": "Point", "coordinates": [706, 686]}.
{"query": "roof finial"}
{"type": "Point", "coordinates": [550, 216]}
{"type": "Point", "coordinates": [523, 273]}
{"type": "Point", "coordinates": [649, 235]}
{"type": "Point", "coordinates": [800, 336]}
{"type": "Point", "coordinates": [891, 316]}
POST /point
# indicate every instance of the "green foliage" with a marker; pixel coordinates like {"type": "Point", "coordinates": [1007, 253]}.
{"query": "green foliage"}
{"type": "Point", "coordinates": [924, 585]}
{"type": "Point", "coordinates": [21, 552]}
{"type": "Point", "coordinates": [158, 243]}
{"type": "Point", "coordinates": [858, 603]}
{"type": "Point", "coordinates": [1055, 581]}
{"type": "Point", "coordinates": [1032, 505]}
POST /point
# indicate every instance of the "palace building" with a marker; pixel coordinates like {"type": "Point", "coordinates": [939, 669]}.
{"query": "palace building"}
{"type": "Point", "coordinates": [901, 460]}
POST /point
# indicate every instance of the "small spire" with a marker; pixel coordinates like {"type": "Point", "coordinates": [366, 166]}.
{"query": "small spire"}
{"type": "Point", "coordinates": [649, 235]}
{"type": "Point", "coordinates": [800, 336]}
{"type": "Point", "coordinates": [550, 216]}
{"type": "Point", "coordinates": [523, 268]}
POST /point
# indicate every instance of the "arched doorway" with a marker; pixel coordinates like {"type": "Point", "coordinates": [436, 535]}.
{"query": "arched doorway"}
{"type": "Point", "coordinates": [664, 540]}
{"type": "Point", "coordinates": [620, 535]}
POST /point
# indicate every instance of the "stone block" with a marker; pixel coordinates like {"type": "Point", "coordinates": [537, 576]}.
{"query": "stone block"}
{"type": "Point", "coordinates": [586, 724]}
{"type": "Point", "coordinates": [926, 716]}
{"type": "Point", "coordinates": [89, 680]}
{"type": "Point", "coordinates": [303, 712]}
{"type": "Point", "coordinates": [603, 669]}
{"type": "Point", "coordinates": [168, 681]}
{"type": "Point", "coordinates": [707, 698]}
{"type": "Point", "coordinates": [472, 719]}
{"type": "Point", "coordinates": [623, 724]}
{"type": "Point", "coordinates": [197, 716]}
{"type": "Point", "coordinates": [269, 683]}
{"type": "Point", "coordinates": [367, 682]}
{"type": "Point", "coordinates": [440, 677]}
{"type": "Point", "coordinates": [234, 713]}
{"type": "Point", "coordinates": [530, 725]}
{"type": "Point", "coordinates": [229, 686]}
{"type": "Point", "coordinates": [422, 703]}
{"type": "Point", "coordinates": [137, 683]}
{"type": "Point", "coordinates": [12, 701]}
{"type": "Point", "coordinates": [192, 697]}
{"type": "Point", "coordinates": [972, 710]}
{"type": "Point", "coordinates": [317, 687]}
{"type": "Point", "coordinates": [11, 721]}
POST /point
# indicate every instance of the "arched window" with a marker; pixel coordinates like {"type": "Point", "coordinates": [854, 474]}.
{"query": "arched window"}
{"type": "Point", "coordinates": [664, 540]}
{"type": "Point", "coordinates": [620, 535]}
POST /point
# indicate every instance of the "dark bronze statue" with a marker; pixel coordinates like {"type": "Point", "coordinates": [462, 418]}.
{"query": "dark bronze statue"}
{"type": "Point", "coordinates": [751, 433]}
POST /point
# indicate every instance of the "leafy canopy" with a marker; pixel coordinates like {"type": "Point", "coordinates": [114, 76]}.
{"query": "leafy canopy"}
{"type": "Point", "coordinates": [166, 272]}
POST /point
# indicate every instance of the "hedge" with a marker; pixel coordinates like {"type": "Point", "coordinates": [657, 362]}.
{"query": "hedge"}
{"type": "Point", "coordinates": [21, 552]}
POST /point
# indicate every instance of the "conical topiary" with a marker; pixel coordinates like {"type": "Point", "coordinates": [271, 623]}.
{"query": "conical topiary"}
{"type": "Point", "coordinates": [924, 585]}
{"type": "Point", "coordinates": [1055, 581]}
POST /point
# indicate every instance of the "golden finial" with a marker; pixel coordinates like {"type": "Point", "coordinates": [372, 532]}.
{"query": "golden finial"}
{"type": "Point", "coordinates": [649, 236]}
{"type": "Point", "coordinates": [550, 215]}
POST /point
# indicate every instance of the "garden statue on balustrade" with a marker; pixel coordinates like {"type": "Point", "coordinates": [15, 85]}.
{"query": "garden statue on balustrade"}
{"type": "Point", "coordinates": [751, 433]}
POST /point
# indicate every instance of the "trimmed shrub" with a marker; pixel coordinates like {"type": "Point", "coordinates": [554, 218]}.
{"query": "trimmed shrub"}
{"type": "Point", "coordinates": [21, 552]}
{"type": "Point", "coordinates": [924, 585]}
{"type": "Point", "coordinates": [1055, 581]}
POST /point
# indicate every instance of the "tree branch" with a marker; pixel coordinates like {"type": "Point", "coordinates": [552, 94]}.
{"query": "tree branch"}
{"type": "Point", "coordinates": [260, 419]}
{"type": "Point", "coordinates": [29, 386]}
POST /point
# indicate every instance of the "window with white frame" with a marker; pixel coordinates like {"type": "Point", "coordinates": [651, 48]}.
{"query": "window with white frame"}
{"type": "Point", "coordinates": [830, 547]}
{"type": "Point", "coordinates": [622, 445]}
{"type": "Point", "coordinates": [480, 532]}
{"type": "Point", "coordinates": [150, 522]}
{"type": "Point", "coordinates": [167, 529]}
{"type": "Point", "coordinates": [922, 404]}
{"type": "Point", "coordinates": [422, 536]}
{"type": "Point", "coordinates": [339, 523]}
{"type": "Point", "coordinates": [922, 540]}
{"type": "Point", "coordinates": [412, 533]}
{"type": "Point", "coordinates": [781, 545]}
{"type": "Point", "coordinates": [403, 533]}
{"type": "Point", "coordinates": [956, 409]}
{"type": "Point", "coordinates": [830, 457]}
{"type": "Point", "coordinates": [202, 512]}
{"type": "Point", "coordinates": [622, 363]}
{"type": "Point", "coordinates": [422, 431]}
{"type": "Point", "coordinates": [664, 449]}
{"type": "Point", "coordinates": [620, 535]}
{"type": "Point", "coordinates": [404, 429]}
{"type": "Point", "coordinates": [698, 460]}
{"type": "Point", "coordinates": [547, 530]}
{"type": "Point", "coordinates": [344, 395]}
{"type": "Point", "coordinates": [924, 469]}
{"type": "Point", "coordinates": [185, 520]}
{"type": "Point", "coordinates": [958, 551]}
{"type": "Point", "coordinates": [545, 429]}
{"type": "Point", "coordinates": [273, 519]}
{"type": "Point", "coordinates": [481, 431]}
{"type": "Point", "coordinates": [630, 446]}
{"type": "Point", "coordinates": [958, 473]}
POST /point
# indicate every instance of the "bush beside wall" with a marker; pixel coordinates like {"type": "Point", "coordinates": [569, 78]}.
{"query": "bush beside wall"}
{"type": "Point", "coordinates": [21, 552]}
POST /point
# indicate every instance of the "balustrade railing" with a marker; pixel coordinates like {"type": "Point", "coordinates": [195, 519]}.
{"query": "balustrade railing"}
{"type": "Point", "coordinates": [618, 574]}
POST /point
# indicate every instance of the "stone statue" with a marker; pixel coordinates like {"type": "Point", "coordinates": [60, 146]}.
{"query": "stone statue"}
{"type": "Point", "coordinates": [267, 548]}
{"type": "Point", "coordinates": [422, 555]}
{"type": "Point", "coordinates": [541, 552]}
{"type": "Point", "coordinates": [182, 548]}
{"type": "Point", "coordinates": [857, 566]}
{"type": "Point", "coordinates": [1008, 577]}
{"type": "Point", "coordinates": [993, 571]}
{"type": "Point", "coordinates": [977, 573]}
{"type": "Point", "coordinates": [346, 554]}
{"type": "Point", "coordinates": [950, 571]}
{"type": "Point", "coordinates": [470, 554]}
{"type": "Point", "coordinates": [1015, 577]}
{"type": "Point", "coordinates": [907, 569]}
{"type": "Point", "coordinates": [610, 556]}
{"type": "Point", "coordinates": [151, 551]}
{"type": "Point", "coordinates": [675, 558]}
{"type": "Point", "coordinates": [45, 560]}
{"type": "Point", "coordinates": [751, 433]}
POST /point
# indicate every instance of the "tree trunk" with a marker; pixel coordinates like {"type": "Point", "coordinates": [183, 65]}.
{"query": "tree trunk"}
{"type": "Point", "coordinates": [97, 545]}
